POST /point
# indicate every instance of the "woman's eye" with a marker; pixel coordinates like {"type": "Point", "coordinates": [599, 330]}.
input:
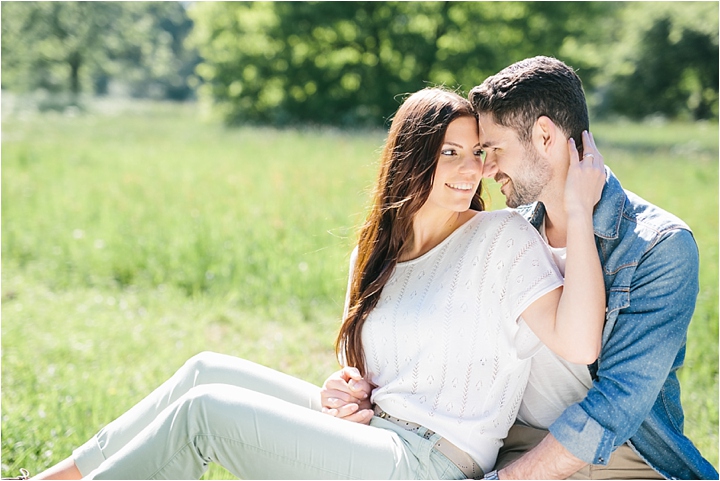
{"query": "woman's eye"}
{"type": "Point", "coordinates": [482, 154]}
{"type": "Point", "coordinates": [448, 152]}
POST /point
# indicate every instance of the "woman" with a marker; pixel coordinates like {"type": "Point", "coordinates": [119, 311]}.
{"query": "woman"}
{"type": "Point", "coordinates": [459, 287]}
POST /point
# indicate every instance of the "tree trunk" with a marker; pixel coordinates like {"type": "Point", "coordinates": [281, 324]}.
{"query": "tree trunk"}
{"type": "Point", "coordinates": [75, 62]}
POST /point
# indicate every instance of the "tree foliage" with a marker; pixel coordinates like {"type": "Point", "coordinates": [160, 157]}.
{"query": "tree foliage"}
{"type": "Point", "coordinates": [350, 63]}
{"type": "Point", "coordinates": [79, 46]}
{"type": "Point", "coordinates": [346, 62]}
{"type": "Point", "coordinates": [672, 66]}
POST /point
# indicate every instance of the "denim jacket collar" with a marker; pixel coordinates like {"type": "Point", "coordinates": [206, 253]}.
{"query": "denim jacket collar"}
{"type": "Point", "coordinates": [606, 218]}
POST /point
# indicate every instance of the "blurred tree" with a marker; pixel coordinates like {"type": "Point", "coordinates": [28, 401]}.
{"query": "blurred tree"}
{"type": "Point", "coordinates": [671, 65]}
{"type": "Point", "coordinates": [48, 44]}
{"type": "Point", "coordinates": [149, 54]}
{"type": "Point", "coordinates": [347, 62]}
{"type": "Point", "coordinates": [484, 37]}
{"type": "Point", "coordinates": [328, 62]}
{"type": "Point", "coordinates": [80, 46]}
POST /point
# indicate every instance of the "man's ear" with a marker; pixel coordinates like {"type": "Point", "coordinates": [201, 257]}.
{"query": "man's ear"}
{"type": "Point", "coordinates": [545, 135]}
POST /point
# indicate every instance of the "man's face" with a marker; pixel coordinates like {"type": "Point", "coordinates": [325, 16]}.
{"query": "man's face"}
{"type": "Point", "coordinates": [519, 169]}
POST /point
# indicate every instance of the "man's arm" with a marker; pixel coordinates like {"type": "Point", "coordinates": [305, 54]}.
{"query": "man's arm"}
{"type": "Point", "coordinates": [548, 460]}
{"type": "Point", "coordinates": [639, 350]}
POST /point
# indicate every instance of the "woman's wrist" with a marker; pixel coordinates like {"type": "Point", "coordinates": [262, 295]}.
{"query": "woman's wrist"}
{"type": "Point", "coordinates": [579, 214]}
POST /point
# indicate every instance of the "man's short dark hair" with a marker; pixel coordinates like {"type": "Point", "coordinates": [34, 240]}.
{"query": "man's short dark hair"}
{"type": "Point", "coordinates": [519, 94]}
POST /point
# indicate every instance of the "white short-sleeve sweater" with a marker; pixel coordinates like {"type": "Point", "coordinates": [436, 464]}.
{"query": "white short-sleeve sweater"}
{"type": "Point", "coordinates": [444, 345]}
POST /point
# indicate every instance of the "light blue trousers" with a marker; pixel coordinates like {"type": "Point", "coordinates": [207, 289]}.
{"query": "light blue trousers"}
{"type": "Point", "coordinates": [257, 423]}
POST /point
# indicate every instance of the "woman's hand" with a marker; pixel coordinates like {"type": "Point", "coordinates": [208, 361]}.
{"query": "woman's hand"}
{"type": "Point", "coordinates": [577, 314]}
{"type": "Point", "coordinates": [586, 177]}
{"type": "Point", "coordinates": [346, 395]}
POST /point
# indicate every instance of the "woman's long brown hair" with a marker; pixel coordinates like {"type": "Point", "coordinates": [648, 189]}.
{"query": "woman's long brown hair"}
{"type": "Point", "coordinates": [407, 169]}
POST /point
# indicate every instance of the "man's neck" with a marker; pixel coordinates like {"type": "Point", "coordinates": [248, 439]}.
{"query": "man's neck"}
{"type": "Point", "coordinates": [555, 223]}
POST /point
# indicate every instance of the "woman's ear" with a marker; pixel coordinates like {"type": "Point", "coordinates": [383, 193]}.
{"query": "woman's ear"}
{"type": "Point", "coordinates": [545, 135]}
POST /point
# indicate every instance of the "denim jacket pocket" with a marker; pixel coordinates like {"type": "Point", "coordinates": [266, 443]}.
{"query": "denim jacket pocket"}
{"type": "Point", "coordinates": [618, 298]}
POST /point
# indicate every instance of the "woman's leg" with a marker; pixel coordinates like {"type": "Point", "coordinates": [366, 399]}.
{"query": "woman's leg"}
{"type": "Point", "coordinates": [256, 436]}
{"type": "Point", "coordinates": [204, 368]}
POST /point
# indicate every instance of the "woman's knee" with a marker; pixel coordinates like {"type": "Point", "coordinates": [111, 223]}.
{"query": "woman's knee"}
{"type": "Point", "coordinates": [203, 359]}
{"type": "Point", "coordinates": [197, 368]}
{"type": "Point", "coordinates": [213, 368]}
{"type": "Point", "coordinates": [210, 407]}
{"type": "Point", "coordinates": [194, 412]}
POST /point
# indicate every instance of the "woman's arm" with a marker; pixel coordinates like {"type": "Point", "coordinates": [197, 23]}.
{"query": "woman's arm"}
{"type": "Point", "coordinates": [577, 311]}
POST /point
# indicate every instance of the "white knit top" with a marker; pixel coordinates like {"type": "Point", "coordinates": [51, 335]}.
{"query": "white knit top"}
{"type": "Point", "coordinates": [444, 345]}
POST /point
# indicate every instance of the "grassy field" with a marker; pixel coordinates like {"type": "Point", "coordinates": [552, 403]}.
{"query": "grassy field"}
{"type": "Point", "coordinates": [133, 238]}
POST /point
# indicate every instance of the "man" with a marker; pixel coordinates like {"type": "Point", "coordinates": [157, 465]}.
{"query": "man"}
{"type": "Point", "coordinates": [620, 417]}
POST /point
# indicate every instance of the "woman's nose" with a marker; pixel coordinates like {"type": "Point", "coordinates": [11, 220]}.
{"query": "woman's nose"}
{"type": "Point", "coordinates": [471, 165]}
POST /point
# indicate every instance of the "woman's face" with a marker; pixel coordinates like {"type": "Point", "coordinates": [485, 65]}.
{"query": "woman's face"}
{"type": "Point", "coordinates": [459, 168]}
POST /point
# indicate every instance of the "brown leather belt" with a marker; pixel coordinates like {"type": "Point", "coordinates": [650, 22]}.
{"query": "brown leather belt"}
{"type": "Point", "coordinates": [457, 456]}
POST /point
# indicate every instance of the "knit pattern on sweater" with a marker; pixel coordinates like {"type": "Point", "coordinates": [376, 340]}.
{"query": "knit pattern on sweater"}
{"type": "Point", "coordinates": [444, 345]}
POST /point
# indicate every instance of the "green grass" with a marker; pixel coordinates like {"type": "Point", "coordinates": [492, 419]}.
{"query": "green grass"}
{"type": "Point", "coordinates": [133, 239]}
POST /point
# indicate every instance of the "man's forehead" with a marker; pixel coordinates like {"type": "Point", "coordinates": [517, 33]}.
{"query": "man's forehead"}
{"type": "Point", "coordinates": [491, 132]}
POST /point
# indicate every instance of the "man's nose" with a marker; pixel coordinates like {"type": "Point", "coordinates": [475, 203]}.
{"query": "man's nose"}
{"type": "Point", "coordinates": [489, 168]}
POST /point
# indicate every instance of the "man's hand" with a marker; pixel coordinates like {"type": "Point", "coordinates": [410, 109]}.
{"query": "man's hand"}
{"type": "Point", "coordinates": [547, 460]}
{"type": "Point", "coordinates": [346, 395]}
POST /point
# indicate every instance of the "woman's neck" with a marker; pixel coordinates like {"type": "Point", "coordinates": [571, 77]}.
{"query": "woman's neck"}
{"type": "Point", "coordinates": [430, 229]}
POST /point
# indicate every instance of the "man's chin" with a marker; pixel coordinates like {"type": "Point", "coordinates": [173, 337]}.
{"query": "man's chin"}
{"type": "Point", "coordinates": [512, 202]}
{"type": "Point", "coordinates": [508, 200]}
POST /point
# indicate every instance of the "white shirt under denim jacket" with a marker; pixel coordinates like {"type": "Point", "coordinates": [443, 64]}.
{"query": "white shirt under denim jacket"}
{"type": "Point", "coordinates": [650, 266]}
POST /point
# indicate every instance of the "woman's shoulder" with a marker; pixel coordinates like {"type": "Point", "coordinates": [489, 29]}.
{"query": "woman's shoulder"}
{"type": "Point", "coordinates": [508, 228]}
{"type": "Point", "coordinates": [505, 219]}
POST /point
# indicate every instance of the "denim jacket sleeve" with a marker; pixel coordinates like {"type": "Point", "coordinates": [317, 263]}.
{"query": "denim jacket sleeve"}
{"type": "Point", "coordinates": [650, 304]}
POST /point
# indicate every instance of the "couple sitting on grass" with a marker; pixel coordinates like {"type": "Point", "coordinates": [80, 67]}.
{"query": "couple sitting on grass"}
{"type": "Point", "coordinates": [540, 342]}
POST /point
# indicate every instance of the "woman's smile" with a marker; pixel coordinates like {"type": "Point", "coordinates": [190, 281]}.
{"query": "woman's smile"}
{"type": "Point", "coordinates": [462, 186]}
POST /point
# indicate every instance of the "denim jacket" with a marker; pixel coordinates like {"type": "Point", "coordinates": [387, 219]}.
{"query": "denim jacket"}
{"type": "Point", "coordinates": [650, 266]}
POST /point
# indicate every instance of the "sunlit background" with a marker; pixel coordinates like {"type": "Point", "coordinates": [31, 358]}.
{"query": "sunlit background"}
{"type": "Point", "coordinates": [179, 177]}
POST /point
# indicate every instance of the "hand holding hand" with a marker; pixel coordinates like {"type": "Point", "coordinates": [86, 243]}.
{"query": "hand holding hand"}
{"type": "Point", "coordinates": [346, 395]}
{"type": "Point", "coordinates": [586, 177]}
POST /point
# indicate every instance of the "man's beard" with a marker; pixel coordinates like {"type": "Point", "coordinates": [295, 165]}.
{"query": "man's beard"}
{"type": "Point", "coordinates": [527, 186]}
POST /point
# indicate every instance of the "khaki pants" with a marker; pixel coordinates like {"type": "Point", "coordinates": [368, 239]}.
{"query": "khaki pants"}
{"type": "Point", "coordinates": [624, 462]}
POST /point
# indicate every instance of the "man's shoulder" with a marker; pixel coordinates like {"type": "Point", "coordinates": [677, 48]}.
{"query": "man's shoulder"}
{"type": "Point", "coordinates": [650, 216]}
{"type": "Point", "coordinates": [622, 213]}
{"type": "Point", "coordinates": [636, 227]}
